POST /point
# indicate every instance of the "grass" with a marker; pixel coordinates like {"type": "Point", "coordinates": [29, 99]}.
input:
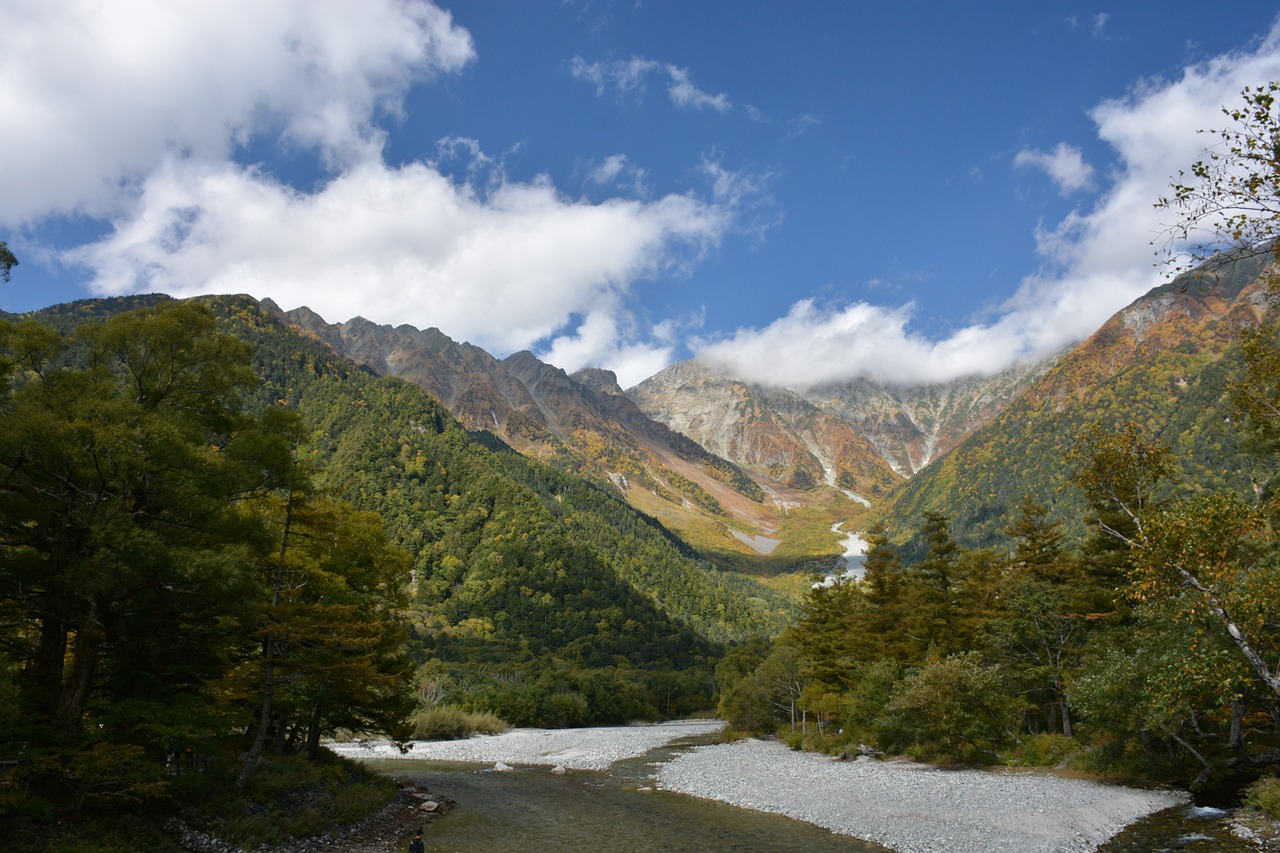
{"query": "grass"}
{"type": "Point", "coordinates": [449, 722]}
{"type": "Point", "coordinates": [1264, 795]}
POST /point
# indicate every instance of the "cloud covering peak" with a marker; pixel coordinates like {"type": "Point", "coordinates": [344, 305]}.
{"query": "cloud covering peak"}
{"type": "Point", "coordinates": [1095, 260]}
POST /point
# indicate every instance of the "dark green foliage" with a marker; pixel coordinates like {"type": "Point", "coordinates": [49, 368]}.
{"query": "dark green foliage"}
{"type": "Point", "coordinates": [534, 586]}
{"type": "Point", "coordinates": [7, 261]}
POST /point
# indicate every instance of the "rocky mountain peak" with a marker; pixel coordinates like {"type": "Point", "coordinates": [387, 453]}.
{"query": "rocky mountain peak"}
{"type": "Point", "coordinates": [599, 380]}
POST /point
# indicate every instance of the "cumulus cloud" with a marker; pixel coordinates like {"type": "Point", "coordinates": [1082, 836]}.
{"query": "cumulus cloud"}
{"type": "Point", "coordinates": [95, 95]}
{"type": "Point", "coordinates": [139, 114]}
{"type": "Point", "coordinates": [629, 76]}
{"type": "Point", "coordinates": [1065, 165]}
{"type": "Point", "coordinates": [600, 339]}
{"type": "Point", "coordinates": [504, 266]}
{"type": "Point", "coordinates": [1096, 261]}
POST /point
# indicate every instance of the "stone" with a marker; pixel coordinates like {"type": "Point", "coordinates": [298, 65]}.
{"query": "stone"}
{"type": "Point", "coordinates": [558, 769]}
{"type": "Point", "coordinates": [429, 806]}
{"type": "Point", "coordinates": [502, 767]}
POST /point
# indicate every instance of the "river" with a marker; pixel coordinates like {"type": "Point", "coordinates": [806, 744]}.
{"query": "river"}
{"type": "Point", "coordinates": [618, 810]}
{"type": "Point", "coordinates": [608, 812]}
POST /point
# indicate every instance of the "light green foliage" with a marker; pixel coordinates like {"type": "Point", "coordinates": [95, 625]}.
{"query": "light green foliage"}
{"type": "Point", "coordinates": [1234, 193]}
{"type": "Point", "coordinates": [953, 708]}
{"type": "Point", "coordinates": [1264, 795]}
{"type": "Point", "coordinates": [1042, 750]}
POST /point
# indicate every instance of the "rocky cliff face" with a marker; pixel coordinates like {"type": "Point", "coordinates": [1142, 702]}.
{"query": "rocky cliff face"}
{"type": "Point", "coordinates": [584, 421]}
{"type": "Point", "coordinates": [857, 436]}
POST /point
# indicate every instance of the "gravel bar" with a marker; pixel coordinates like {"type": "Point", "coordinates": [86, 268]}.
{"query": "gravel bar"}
{"type": "Point", "coordinates": [573, 749]}
{"type": "Point", "coordinates": [915, 808]}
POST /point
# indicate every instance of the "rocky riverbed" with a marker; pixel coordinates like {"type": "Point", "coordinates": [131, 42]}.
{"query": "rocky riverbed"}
{"type": "Point", "coordinates": [908, 807]}
{"type": "Point", "coordinates": [915, 808]}
{"type": "Point", "coordinates": [573, 749]}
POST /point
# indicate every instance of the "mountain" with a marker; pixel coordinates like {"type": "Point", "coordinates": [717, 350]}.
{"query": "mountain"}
{"type": "Point", "coordinates": [859, 436]}
{"type": "Point", "coordinates": [543, 593]}
{"type": "Point", "coordinates": [1164, 362]}
{"type": "Point", "coordinates": [583, 423]}
{"type": "Point", "coordinates": [754, 477]}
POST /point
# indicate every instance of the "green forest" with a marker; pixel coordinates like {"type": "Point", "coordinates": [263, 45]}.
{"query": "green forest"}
{"type": "Point", "coordinates": [222, 544]}
{"type": "Point", "coordinates": [1092, 582]}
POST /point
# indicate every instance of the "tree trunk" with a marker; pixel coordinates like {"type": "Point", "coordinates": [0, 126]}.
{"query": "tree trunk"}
{"type": "Point", "coordinates": [313, 729]}
{"type": "Point", "coordinates": [1271, 679]}
{"type": "Point", "coordinates": [254, 754]}
{"type": "Point", "coordinates": [84, 665]}
{"type": "Point", "coordinates": [50, 660]}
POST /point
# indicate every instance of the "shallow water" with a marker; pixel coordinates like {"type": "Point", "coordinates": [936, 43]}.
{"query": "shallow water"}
{"type": "Point", "coordinates": [531, 808]}
{"type": "Point", "coordinates": [1185, 828]}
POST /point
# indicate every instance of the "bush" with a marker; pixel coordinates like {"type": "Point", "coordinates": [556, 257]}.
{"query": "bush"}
{"type": "Point", "coordinates": [953, 709]}
{"type": "Point", "coordinates": [449, 722]}
{"type": "Point", "coordinates": [1264, 795]}
{"type": "Point", "coordinates": [1043, 750]}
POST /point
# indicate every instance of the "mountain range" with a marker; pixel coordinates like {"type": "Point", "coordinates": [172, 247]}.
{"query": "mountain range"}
{"type": "Point", "coordinates": [751, 475]}
{"type": "Point", "coordinates": [755, 476]}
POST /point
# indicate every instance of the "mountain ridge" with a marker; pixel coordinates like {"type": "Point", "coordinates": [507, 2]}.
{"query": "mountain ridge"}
{"type": "Point", "coordinates": [1164, 362]}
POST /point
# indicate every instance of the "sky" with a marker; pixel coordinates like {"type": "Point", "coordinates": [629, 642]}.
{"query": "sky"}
{"type": "Point", "coordinates": [797, 193]}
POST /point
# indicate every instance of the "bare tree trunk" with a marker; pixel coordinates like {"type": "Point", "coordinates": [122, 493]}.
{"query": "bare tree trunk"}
{"type": "Point", "coordinates": [1237, 722]}
{"type": "Point", "coordinates": [313, 730]}
{"type": "Point", "coordinates": [50, 660]}
{"type": "Point", "coordinates": [254, 756]}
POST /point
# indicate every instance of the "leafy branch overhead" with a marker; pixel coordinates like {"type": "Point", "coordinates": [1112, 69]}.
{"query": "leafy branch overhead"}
{"type": "Point", "coordinates": [7, 261]}
{"type": "Point", "coordinates": [1231, 198]}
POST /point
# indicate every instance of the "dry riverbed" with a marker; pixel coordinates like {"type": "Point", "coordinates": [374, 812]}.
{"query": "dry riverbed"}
{"type": "Point", "coordinates": [908, 807]}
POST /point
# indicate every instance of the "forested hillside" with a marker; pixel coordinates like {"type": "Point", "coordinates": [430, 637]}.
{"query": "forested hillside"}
{"type": "Point", "coordinates": [526, 579]}
{"type": "Point", "coordinates": [1143, 647]}
{"type": "Point", "coordinates": [1164, 364]}
{"type": "Point", "coordinates": [583, 424]}
{"type": "Point", "coordinates": [218, 536]}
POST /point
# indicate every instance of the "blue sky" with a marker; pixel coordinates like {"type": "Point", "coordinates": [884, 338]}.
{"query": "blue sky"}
{"type": "Point", "coordinates": [800, 192]}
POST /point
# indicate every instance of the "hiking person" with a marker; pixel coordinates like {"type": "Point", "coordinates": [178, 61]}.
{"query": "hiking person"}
{"type": "Point", "coordinates": [415, 846]}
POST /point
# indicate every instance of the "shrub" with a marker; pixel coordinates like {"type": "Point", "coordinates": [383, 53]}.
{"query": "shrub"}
{"type": "Point", "coordinates": [1264, 795]}
{"type": "Point", "coordinates": [449, 722]}
{"type": "Point", "coordinates": [1042, 750]}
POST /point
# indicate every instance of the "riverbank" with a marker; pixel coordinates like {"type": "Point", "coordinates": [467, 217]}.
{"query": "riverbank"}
{"type": "Point", "coordinates": [908, 807]}
{"type": "Point", "coordinates": [915, 808]}
{"type": "Point", "coordinates": [573, 749]}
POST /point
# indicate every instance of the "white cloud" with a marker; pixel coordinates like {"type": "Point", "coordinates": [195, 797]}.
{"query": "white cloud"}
{"type": "Point", "coordinates": [138, 113]}
{"type": "Point", "coordinates": [629, 76]}
{"type": "Point", "coordinates": [1065, 165]}
{"type": "Point", "coordinates": [618, 171]}
{"type": "Point", "coordinates": [608, 170]}
{"type": "Point", "coordinates": [504, 267]}
{"type": "Point", "coordinates": [600, 340]}
{"type": "Point", "coordinates": [95, 95]}
{"type": "Point", "coordinates": [1096, 261]}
